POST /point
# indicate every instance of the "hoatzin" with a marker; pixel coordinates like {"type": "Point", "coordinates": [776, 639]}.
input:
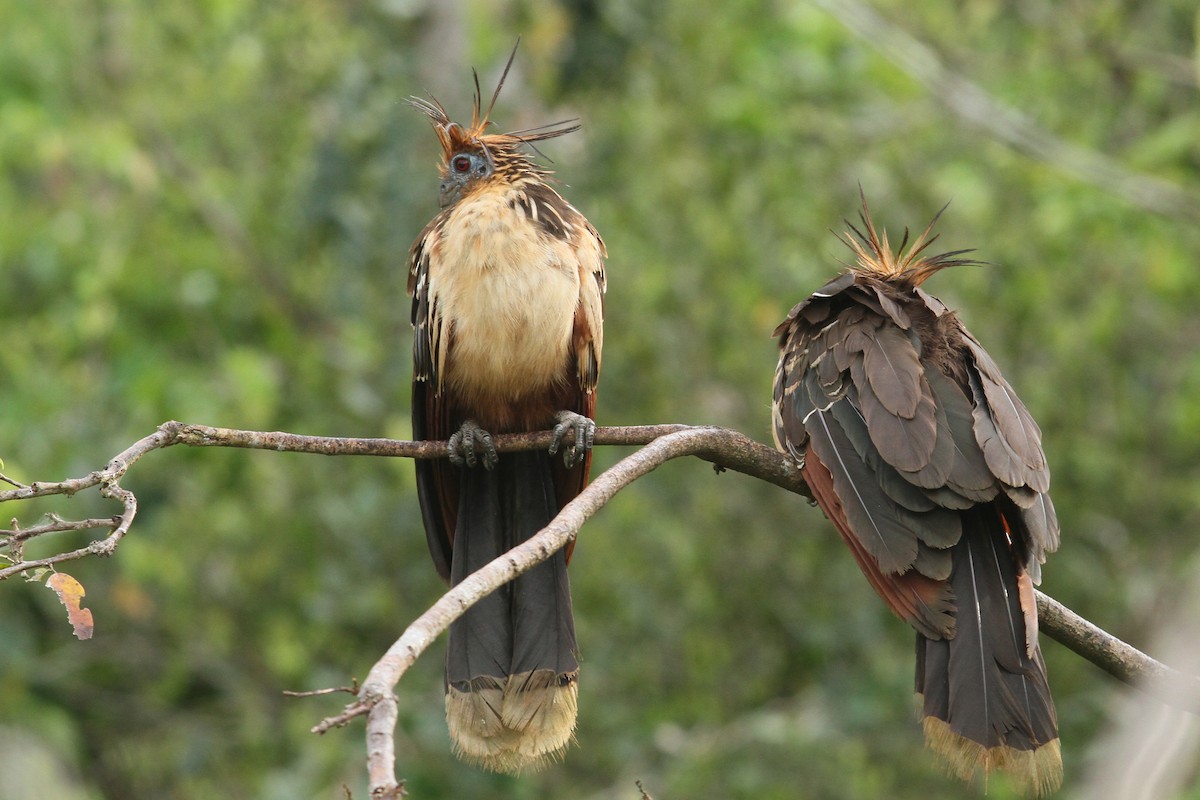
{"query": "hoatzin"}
{"type": "Point", "coordinates": [932, 471]}
{"type": "Point", "coordinates": [507, 284]}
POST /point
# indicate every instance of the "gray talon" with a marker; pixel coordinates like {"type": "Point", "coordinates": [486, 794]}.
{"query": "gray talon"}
{"type": "Point", "coordinates": [585, 435]}
{"type": "Point", "coordinates": [466, 441]}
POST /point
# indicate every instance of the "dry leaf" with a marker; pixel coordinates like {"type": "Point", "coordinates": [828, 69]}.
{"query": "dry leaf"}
{"type": "Point", "coordinates": [70, 592]}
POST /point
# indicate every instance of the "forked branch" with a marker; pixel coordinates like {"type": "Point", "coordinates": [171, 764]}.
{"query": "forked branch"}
{"type": "Point", "coordinates": [726, 449]}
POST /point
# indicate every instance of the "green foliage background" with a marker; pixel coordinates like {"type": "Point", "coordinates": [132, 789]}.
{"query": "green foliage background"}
{"type": "Point", "coordinates": [205, 215]}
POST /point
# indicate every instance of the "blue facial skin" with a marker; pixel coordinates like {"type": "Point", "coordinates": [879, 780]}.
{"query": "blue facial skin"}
{"type": "Point", "coordinates": [463, 169]}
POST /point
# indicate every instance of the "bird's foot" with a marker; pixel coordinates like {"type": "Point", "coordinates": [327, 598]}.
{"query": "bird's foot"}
{"type": "Point", "coordinates": [585, 432]}
{"type": "Point", "coordinates": [471, 445]}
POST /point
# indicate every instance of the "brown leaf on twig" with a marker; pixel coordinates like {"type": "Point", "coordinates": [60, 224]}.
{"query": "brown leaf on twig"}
{"type": "Point", "coordinates": [70, 592]}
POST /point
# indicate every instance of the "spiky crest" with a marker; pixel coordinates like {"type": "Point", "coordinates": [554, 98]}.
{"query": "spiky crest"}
{"type": "Point", "coordinates": [501, 148]}
{"type": "Point", "coordinates": [876, 258]}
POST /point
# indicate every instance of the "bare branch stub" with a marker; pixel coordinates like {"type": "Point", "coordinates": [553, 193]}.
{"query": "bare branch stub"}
{"type": "Point", "coordinates": [351, 689]}
{"type": "Point", "coordinates": [356, 709]}
{"type": "Point", "coordinates": [5, 479]}
{"type": "Point", "coordinates": [54, 524]}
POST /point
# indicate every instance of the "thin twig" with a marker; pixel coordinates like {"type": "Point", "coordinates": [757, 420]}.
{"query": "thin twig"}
{"type": "Point", "coordinates": [108, 479]}
{"type": "Point", "coordinates": [56, 524]}
{"type": "Point", "coordinates": [351, 689]}
{"type": "Point", "coordinates": [10, 481]}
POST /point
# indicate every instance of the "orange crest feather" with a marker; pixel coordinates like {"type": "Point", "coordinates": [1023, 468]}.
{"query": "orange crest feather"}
{"type": "Point", "coordinates": [456, 138]}
{"type": "Point", "coordinates": [874, 254]}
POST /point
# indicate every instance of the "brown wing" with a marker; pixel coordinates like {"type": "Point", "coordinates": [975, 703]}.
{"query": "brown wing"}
{"type": "Point", "coordinates": [587, 343]}
{"type": "Point", "coordinates": [923, 602]}
{"type": "Point", "coordinates": [894, 447]}
{"type": "Point", "coordinates": [437, 481]}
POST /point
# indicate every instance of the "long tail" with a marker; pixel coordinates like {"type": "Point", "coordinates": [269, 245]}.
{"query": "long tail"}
{"type": "Point", "coordinates": [511, 670]}
{"type": "Point", "coordinates": [987, 703]}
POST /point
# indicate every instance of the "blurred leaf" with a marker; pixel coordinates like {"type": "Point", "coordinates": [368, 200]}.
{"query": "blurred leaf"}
{"type": "Point", "coordinates": [71, 592]}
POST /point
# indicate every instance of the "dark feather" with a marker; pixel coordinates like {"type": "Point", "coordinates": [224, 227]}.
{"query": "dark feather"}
{"type": "Point", "coordinates": [832, 380]}
{"type": "Point", "coordinates": [893, 368]}
{"type": "Point", "coordinates": [969, 476]}
{"type": "Point", "coordinates": [430, 487]}
{"type": "Point", "coordinates": [932, 303]}
{"type": "Point", "coordinates": [898, 489]}
{"type": "Point", "coordinates": [933, 562]}
{"type": "Point", "coordinates": [888, 306]}
{"type": "Point", "coordinates": [418, 287]}
{"type": "Point", "coordinates": [934, 474]}
{"type": "Point", "coordinates": [1023, 496]}
{"type": "Point", "coordinates": [924, 603]}
{"type": "Point", "coordinates": [1003, 462]}
{"type": "Point", "coordinates": [1011, 419]}
{"type": "Point", "coordinates": [905, 443]}
{"type": "Point", "coordinates": [512, 656]}
{"type": "Point", "coordinates": [873, 518]}
{"type": "Point", "coordinates": [940, 528]}
{"type": "Point", "coordinates": [1041, 524]}
{"type": "Point", "coordinates": [982, 683]}
{"type": "Point", "coordinates": [840, 338]}
{"type": "Point", "coordinates": [813, 308]}
{"type": "Point", "coordinates": [935, 526]}
{"type": "Point", "coordinates": [548, 210]}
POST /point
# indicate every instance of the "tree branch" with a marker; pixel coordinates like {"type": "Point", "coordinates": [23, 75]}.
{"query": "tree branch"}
{"type": "Point", "coordinates": [1120, 660]}
{"type": "Point", "coordinates": [748, 456]}
{"type": "Point", "coordinates": [724, 448]}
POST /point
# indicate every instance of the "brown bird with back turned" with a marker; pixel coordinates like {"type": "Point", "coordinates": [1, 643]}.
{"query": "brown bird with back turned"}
{"type": "Point", "coordinates": [932, 471]}
{"type": "Point", "coordinates": [507, 285]}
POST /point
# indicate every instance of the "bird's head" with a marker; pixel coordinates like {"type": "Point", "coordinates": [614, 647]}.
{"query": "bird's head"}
{"type": "Point", "coordinates": [467, 162]}
{"type": "Point", "coordinates": [471, 157]}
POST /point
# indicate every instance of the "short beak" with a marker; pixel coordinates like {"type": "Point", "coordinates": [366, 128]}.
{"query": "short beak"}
{"type": "Point", "coordinates": [448, 193]}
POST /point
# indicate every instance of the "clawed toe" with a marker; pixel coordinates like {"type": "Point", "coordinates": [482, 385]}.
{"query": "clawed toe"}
{"type": "Point", "coordinates": [577, 447]}
{"type": "Point", "coordinates": [471, 445]}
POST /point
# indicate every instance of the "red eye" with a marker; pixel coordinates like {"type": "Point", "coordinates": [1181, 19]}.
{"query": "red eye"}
{"type": "Point", "coordinates": [461, 164]}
